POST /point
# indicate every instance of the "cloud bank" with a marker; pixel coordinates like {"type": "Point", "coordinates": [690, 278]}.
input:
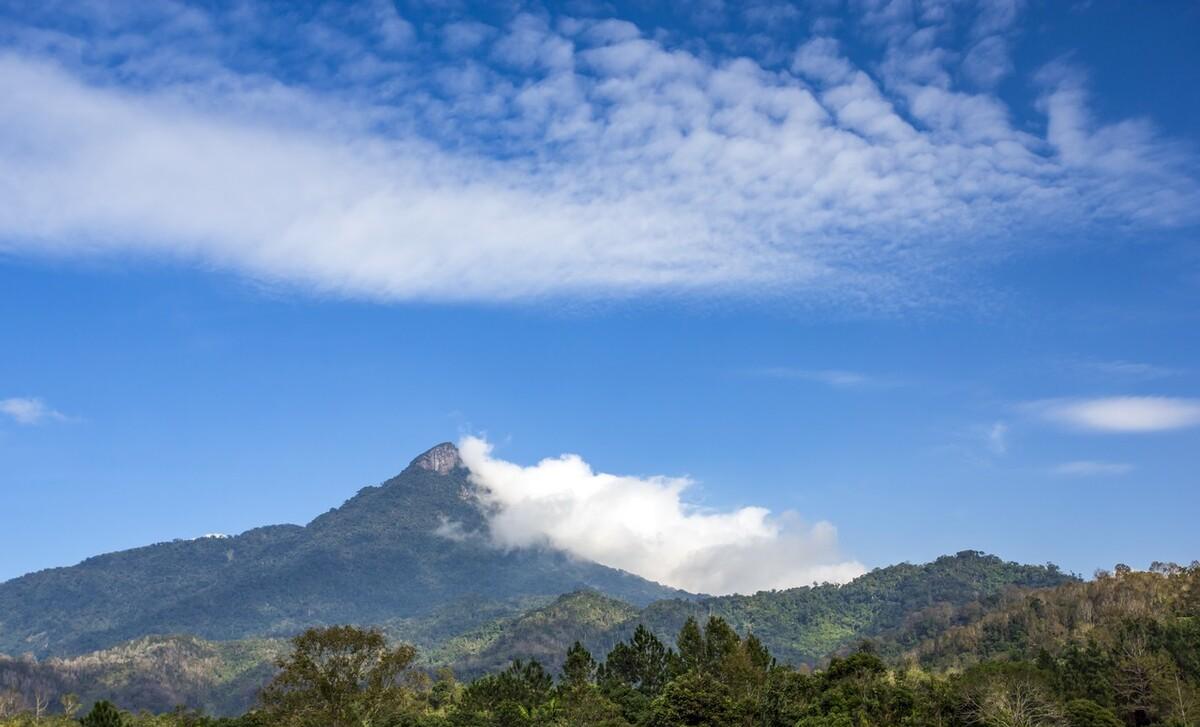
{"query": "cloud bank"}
{"type": "Point", "coordinates": [1121, 413]}
{"type": "Point", "coordinates": [644, 526]}
{"type": "Point", "coordinates": [361, 153]}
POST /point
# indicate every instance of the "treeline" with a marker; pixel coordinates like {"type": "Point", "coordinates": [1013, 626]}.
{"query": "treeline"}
{"type": "Point", "coordinates": [1123, 649]}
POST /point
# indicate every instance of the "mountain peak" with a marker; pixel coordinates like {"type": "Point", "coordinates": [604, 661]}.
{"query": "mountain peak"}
{"type": "Point", "coordinates": [441, 459]}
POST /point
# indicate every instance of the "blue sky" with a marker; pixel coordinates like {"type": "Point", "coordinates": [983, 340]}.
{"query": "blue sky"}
{"type": "Point", "coordinates": [923, 272]}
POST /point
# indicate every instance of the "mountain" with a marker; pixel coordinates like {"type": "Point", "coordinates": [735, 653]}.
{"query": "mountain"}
{"type": "Point", "coordinates": [403, 554]}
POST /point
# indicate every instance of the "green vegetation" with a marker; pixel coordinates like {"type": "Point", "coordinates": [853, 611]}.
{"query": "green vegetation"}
{"type": "Point", "coordinates": [805, 625]}
{"type": "Point", "coordinates": [1122, 650]}
{"type": "Point", "coordinates": [474, 636]}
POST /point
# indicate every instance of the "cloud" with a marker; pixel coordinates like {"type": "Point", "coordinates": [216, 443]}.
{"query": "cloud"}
{"type": "Point", "coordinates": [1130, 369]}
{"type": "Point", "coordinates": [549, 155]}
{"type": "Point", "coordinates": [1121, 413]}
{"type": "Point", "coordinates": [644, 526]}
{"type": "Point", "coordinates": [1089, 468]}
{"type": "Point", "coordinates": [997, 438]}
{"type": "Point", "coordinates": [29, 411]}
{"type": "Point", "coordinates": [837, 378]}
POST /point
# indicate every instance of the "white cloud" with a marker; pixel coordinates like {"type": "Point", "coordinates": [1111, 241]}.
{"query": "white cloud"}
{"type": "Point", "coordinates": [29, 411]}
{"type": "Point", "coordinates": [1131, 369]}
{"type": "Point", "coordinates": [997, 438]}
{"type": "Point", "coordinates": [1090, 468]}
{"type": "Point", "coordinates": [838, 378]}
{"type": "Point", "coordinates": [611, 164]}
{"type": "Point", "coordinates": [644, 526]}
{"type": "Point", "coordinates": [1121, 413]}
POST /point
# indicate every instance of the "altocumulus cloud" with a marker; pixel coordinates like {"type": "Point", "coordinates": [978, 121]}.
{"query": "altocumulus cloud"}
{"type": "Point", "coordinates": [643, 525]}
{"type": "Point", "coordinates": [547, 154]}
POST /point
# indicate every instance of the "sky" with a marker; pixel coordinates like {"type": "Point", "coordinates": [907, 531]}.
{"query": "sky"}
{"type": "Point", "coordinates": [731, 295]}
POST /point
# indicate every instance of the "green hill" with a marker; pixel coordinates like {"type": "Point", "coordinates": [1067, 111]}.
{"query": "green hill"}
{"type": "Point", "coordinates": [804, 625]}
{"type": "Point", "coordinates": [799, 626]}
{"type": "Point", "coordinates": [1162, 605]}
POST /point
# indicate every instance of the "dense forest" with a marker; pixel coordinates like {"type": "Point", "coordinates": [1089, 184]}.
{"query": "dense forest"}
{"type": "Point", "coordinates": [1121, 649]}
{"type": "Point", "coordinates": [800, 626]}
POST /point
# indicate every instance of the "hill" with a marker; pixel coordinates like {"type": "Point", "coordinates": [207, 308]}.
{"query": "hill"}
{"type": "Point", "coordinates": [152, 673]}
{"type": "Point", "coordinates": [800, 626]}
{"type": "Point", "coordinates": [1160, 606]}
{"type": "Point", "coordinates": [403, 553]}
{"type": "Point", "coordinates": [804, 625]}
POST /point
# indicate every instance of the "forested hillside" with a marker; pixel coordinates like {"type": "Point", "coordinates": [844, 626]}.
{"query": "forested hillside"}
{"type": "Point", "coordinates": [804, 625]}
{"type": "Point", "coordinates": [1123, 650]}
{"type": "Point", "coordinates": [800, 626]}
{"type": "Point", "coordinates": [1127, 640]}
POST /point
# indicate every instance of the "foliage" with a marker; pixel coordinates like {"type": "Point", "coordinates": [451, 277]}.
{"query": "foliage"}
{"type": "Point", "coordinates": [339, 677]}
{"type": "Point", "coordinates": [103, 714]}
{"type": "Point", "coordinates": [477, 636]}
{"type": "Point", "coordinates": [1134, 662]}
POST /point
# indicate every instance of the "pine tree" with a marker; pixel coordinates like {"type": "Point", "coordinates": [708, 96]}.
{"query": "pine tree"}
{"type": "Point", "coordinates": [103, 714]}
{"type": "Point", "coordinates": [691, 646]}
{"type": "Point", "coordinates": [580, 668]}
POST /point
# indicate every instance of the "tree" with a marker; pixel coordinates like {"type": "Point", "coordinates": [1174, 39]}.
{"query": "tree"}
{"type": "Point", "coordinates": [103, 714]}
{"type": "Point", "coordinates": [339, 676]}
{"type": "Point", "coordinates": [694, 699]}
{"type": "Point", "coordinates": [1013, 699]}
{"type": "Point", "coordinates": [41, 700]}
{"type": "Point", "coordinates": [691, 646]}
{"type": "Point", "coordinates": [524, 684]}
{"type": "Point", "coordinates": [70, 705]}
{"type": "Point", "coordinates": [580, 668]}
{"type": "Point", "coordinates": [1086, 713]}
{"type": "Point", "coordinates": [721, 642]}
{"type": "Point", "coordinates": [642, 663]}
{"type": "Point", "coordinates": [445, 690]}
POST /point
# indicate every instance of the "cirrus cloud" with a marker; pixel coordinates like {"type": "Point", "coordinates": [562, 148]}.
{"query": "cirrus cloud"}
{"type": "Point", "coordinates": [1121, 413]}
{"type": "Point", "coordinates": [1091, 468]}
{"type": "Point", "coordinates": [643, 525]}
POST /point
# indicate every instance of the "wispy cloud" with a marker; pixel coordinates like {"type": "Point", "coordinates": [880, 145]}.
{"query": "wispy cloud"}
{"type": "Point", "coordinates": [997, 438]}
{"type": "Point", "coordinates": [1120, 413]}
{"type": "Point", "coordinates": [1091, 468]}
{"type": "Point", "coordinates": [643, 525]}
{"type": "Point", "coordinates": [29, 411]}
{"type": "Point", "coordinates": [838, 378]}
{"type": "Point", "coordinates": [551, 155]}
{"type": "Point", "coordinates": [1128, 369]}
